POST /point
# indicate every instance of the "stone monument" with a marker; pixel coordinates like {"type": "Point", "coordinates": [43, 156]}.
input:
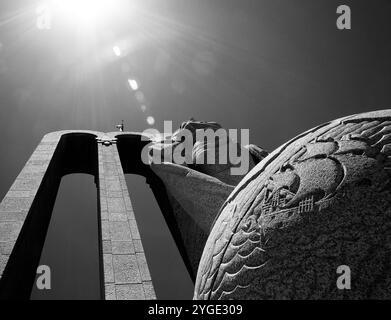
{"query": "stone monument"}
{"type": "Point", "coordinates": [282, 230]}
{"type": "Point", "coordinates": [27, 207]}
{"type": "Point", "coordinates": [318, 202]}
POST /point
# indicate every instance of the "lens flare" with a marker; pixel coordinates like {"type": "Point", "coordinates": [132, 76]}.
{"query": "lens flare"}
{"type": "Point", "coordinates": [151, 120]}
{"type": "Point", "coordinates": [117, 51]}
{"type": "Point", "coordinates": [133, 84]}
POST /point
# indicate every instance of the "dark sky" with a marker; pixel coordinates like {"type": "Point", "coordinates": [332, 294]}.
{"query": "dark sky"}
{"type": "Point", "coordinates": [277, 67]}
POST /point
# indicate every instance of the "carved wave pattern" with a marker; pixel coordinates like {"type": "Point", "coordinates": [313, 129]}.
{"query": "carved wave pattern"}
{"type": "Point", "coordinates": [254, 254]}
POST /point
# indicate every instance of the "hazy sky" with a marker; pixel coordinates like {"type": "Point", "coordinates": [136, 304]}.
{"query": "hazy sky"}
{"type": "Point", "coordinates": [277, 67]}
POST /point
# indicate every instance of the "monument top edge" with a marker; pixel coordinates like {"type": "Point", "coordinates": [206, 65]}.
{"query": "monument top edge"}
{"type": "Point", "coordinates": [56, 135]}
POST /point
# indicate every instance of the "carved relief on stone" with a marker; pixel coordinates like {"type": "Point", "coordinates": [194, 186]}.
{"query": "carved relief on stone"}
{"type": "Point", "coordinates": [319, 201]}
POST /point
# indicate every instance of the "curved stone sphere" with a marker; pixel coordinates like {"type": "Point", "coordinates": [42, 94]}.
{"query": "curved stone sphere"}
{"type": "Point", "coordinates": [310, 221]}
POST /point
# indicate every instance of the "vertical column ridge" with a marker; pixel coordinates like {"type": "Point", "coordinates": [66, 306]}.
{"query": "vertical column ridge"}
{"type": "Point", "coordinates": [125, 269]}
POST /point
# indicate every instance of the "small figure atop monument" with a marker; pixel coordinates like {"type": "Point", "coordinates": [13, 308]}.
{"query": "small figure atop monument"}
{"type": "Point", "coordinates": [120, 126]}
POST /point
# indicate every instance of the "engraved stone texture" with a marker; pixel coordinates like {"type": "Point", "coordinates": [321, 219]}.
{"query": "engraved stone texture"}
{"type": "Point", "coordinates": [319, 201]}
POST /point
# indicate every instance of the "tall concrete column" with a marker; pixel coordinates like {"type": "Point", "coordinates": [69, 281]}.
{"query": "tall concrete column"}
{"type": "Point", "coordinates": [24, 217]}
{"type": "Point", "coordinates": [26, 210]}
{"type": "Point", "coordinates": [126, 274]}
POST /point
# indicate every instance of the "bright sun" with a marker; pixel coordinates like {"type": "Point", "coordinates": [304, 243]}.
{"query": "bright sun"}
{"type": "Point", "coordinates": [81, 13]}
{"type": "Point", "coordinates": [88, 11]}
